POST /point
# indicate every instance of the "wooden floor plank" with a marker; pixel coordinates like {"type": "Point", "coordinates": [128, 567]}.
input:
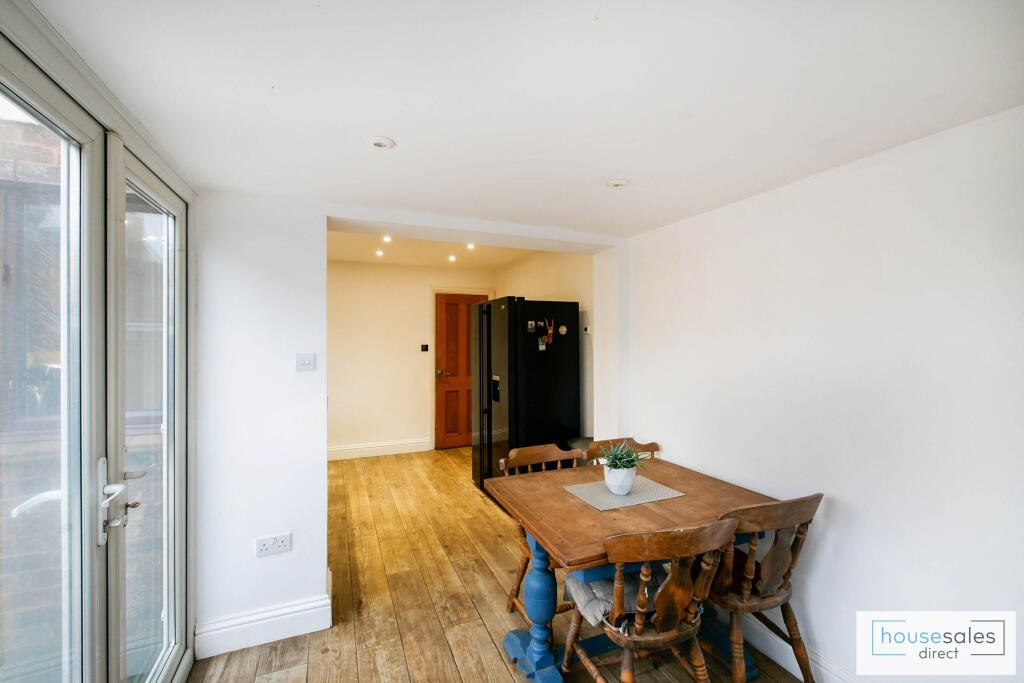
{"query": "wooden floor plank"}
{"type": "Point", "coordinates": [375, 614]}
{"type": "Point", "coordinates": [335, 484]}
{"type": "Point", "coordinates": [447, 593]}
{"type": "Point", "coordinates": [475, 653]}
{"type": "Point", "coordinates": [339, 561]}
{"type": "Point", "coordinates": [488, 597]}
{"type": "Point", "coordinates": [457, 545]}
{"type": "Point", "coordinates": [435, 475]}
{"type": "Point", "coordinates": [427, 654]}
{"type": "Point", "coordinates": [295, 674]}
{"type": "Point", "coordinates": [357, 502]}
{"type": "Point", "coordinates": [233, 667]}
{"type": "Point", "coordinates": [283, 654]}
{"type": "Point", "coordinates": [398, 555]}
{"type": "Point", "coordinates": [403, 490]}
{"type": "Point", "coordinates": [383, 664]}
{"type": "Point", "coordinates": [385, 516]}
{"type": "Point", "coordinates": [332, 653]}
{"type": "Point", "coordinates": [491, 548]}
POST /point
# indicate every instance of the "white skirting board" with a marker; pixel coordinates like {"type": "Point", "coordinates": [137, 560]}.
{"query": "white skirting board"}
{"type": "Point", "coordinates": [363, 450]}
{"type": "Point", "coordinates": [263, 626]}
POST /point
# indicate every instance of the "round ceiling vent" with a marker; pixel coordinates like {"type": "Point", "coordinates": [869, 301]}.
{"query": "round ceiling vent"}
{"type": "Point", "coordinates": [380, 142]}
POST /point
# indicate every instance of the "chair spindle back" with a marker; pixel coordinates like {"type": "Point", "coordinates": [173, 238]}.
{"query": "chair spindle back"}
{"type": "Point", "coordinates": [539, 458]}
{"type": "Point", "coordinates": [679, 597]}
{"type": "Point", "coordinates": [788, 520]}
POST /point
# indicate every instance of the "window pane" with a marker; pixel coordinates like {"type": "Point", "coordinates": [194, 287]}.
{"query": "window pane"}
{"type": "Point", "coordinates": [148, 230]}
{"type": "Point", "coordinates": [39, 451]}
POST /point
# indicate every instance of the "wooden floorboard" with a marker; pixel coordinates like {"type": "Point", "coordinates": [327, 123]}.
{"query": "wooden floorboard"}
{"type": "Point", "coordinates": [421, 565]}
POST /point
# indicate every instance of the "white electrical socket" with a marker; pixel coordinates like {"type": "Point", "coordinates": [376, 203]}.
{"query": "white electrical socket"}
{"type": "Point", "coordinates": [271, 545]}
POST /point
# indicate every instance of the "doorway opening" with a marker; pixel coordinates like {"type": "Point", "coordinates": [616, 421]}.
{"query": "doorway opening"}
{"type": "Point", "coordinates": [398, 332]}
{"type": "Point", "coordinates": [400, 378]}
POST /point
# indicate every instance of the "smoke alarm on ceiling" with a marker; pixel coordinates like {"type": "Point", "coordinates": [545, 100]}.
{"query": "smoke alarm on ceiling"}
{"type": "Point", "coordinates": [380, 142]}
{"type": "Point", "coordinates": [617, 183]}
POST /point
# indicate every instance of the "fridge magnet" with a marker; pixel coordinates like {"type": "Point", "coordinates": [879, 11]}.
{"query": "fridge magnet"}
{"type": "Point", "coordinates": [541, 346]}
{"type": "Point", "coordinates": [562, 329]}
{"type": "Point", "coordinates": [531, 326]}
{"type": "Point", "coordinates": [550, 325]}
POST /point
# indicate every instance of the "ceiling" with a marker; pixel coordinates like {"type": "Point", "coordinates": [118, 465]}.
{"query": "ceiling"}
{"type": "Point", "coordinates": [521, 111]}
{"type": "Point", "coordinates": [362, 248]}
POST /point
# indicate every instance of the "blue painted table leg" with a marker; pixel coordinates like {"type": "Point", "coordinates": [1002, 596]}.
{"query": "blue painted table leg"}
{"type": "Point", "coordinates": [532, 650]}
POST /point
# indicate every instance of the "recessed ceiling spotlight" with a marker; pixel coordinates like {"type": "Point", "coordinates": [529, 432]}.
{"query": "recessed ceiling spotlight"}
{"type": "Point", "coordinates": [380, 253]}
{"type": "Point", "coordinates": [452, 257]}
{"type": "Point", "coordinates": [380, 142]}
{"type": "Point", "coordinates": [470, 246]}
{"type": "Point", "coordinates": [387, 238]}
{"type": "Point", "coordinates": [617, 183]}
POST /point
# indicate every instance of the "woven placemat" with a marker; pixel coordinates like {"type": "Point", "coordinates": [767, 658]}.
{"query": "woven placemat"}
{"type": "Point", "coordinates": [596, 494]}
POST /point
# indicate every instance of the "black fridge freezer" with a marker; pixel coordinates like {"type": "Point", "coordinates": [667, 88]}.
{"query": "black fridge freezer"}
{"type": "Point", "coordinates": [526, 378]}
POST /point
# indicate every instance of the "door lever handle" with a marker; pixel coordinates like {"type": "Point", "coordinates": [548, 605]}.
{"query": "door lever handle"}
{"type": "Point", "coordinates": [113, 492]}
{"type": "Point", "coordinates": [139, 474]}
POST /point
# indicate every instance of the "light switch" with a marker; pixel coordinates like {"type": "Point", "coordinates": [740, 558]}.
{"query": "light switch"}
{"type": "Point", "coordinates": [305, 362]}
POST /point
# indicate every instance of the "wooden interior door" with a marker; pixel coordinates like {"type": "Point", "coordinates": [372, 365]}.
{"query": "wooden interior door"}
{"type": "Point", "coordinates": [453, 375]}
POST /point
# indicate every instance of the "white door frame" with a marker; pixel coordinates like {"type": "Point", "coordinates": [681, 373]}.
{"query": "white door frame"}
{"type": "Point", "coordinates": [124, 167]}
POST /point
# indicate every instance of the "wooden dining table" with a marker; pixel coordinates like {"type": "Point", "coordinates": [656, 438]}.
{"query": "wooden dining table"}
{"type": "Point", "coordinates": [564, 531]}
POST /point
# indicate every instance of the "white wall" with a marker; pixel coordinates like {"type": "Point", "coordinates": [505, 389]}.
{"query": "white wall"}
{"type": "Point", "coordinates": [261, 298]}
{"type": "Point", "coordinates": [859, 333]}
{"type": "Point", "coordinates": [381, 386]}
{"type": "Point", "coordinates": [556, 276]}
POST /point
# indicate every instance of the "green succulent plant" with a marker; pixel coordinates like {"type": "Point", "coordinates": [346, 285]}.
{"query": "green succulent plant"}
{"type": "Point", "coordinates": [621, 456]}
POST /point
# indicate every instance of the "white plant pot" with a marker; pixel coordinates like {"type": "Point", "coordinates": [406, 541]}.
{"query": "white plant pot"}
{"type": "Point", "coordinates": [619, 482]}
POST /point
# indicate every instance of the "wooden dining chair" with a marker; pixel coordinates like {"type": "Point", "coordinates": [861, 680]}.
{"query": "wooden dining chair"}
{"type": "Point", "coordinates": [521, 461]}
{"type": "Point", "coordinates": [595, 450]}
{"type": "Point", "coordinates": [745, 584]}
{"type": "Point", "coordinates": [632, 619]}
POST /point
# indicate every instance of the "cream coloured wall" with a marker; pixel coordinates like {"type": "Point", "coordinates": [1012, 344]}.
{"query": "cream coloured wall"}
{"type": "Point", "coordinates": [557, 276]}
{"type": "Point", "coordinates": [380, 385]}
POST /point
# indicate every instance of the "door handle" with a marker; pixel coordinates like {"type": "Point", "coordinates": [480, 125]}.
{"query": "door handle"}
{"type": "Point", "coordinates": [113, 492]}
{"type": "Point", "coordinates": [442, 372]}
{"type": "Point", "coordinates": [38, 499]}
{"type": "Point", "coordinates": [106, 495]}
{"type": "Point", "coordinates": [139, 474]}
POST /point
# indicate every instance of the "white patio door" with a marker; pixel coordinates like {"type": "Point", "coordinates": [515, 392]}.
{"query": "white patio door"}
{"type": "Point", "coordinates": [145, 363]}
{"type": "Point", "coordinates": [51, 383]}
{"type": "Point", "coordinates": [92, 398]}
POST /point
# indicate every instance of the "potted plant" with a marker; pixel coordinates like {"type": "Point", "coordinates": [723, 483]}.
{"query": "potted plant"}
{"type": "Point", "coordinates": [620, 463]}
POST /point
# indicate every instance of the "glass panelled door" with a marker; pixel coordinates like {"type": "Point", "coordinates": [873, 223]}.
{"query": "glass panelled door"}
{"type": "Point", "coordinates": [40, 454]}
{"type": "Point", "coordinates": [92, 397]}
{"type": "Point", "coordinates": [146, 390]}
{"type": "Point", "coordinates": [148, 363]}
